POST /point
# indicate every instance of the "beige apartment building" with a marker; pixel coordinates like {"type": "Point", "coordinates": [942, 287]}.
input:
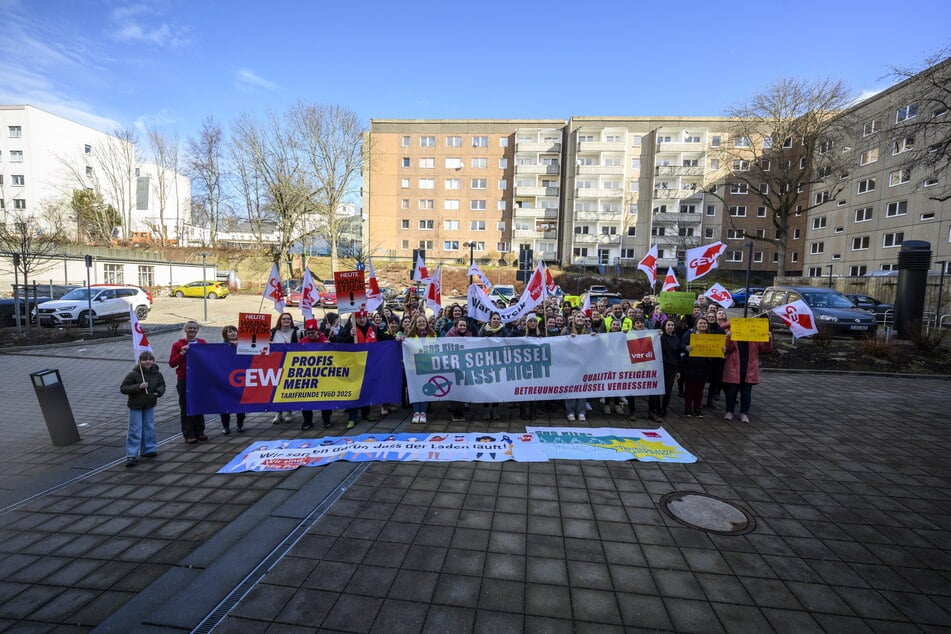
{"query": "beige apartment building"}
{"type": "Point", "coordinates": [887, 196]}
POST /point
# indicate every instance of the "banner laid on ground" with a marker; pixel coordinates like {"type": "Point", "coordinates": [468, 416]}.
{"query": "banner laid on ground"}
{"type": "Point", "coordinates": [292, 377]}
{"type": "Point", "coordinates": [537, 444]}
{"type": "Point", "coordinates": [495, 370]}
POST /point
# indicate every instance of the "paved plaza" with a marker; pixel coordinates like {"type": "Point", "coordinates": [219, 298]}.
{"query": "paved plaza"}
{"type": "Point", "coordinates": [848, 479]}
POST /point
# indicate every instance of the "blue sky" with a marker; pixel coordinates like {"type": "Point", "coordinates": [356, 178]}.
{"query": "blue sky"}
{"type": "Point", "coordinates": [174, 62]}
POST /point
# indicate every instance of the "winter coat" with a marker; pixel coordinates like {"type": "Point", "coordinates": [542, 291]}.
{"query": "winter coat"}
{"type": "Point", "coordinates": [731, 365]}
{"type": "Point", "coordinates": [692, 366]}
{"type": "Point", "coordinates": [176, 358]}
{"type": "Point", "coordinates": [139, 398]}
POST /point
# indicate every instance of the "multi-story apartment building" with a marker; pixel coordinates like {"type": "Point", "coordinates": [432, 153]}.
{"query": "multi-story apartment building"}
{"type": "Point", "coordinates": [44, 157]}
{"type": "Point", "coordinates": [885, 198]}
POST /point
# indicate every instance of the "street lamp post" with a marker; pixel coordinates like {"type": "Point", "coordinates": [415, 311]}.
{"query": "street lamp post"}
{"type": "Point", "coordinates": [749, 271]}
{"type": "Point", "coordinates": [829, 266]}
{"type": "Point", "coordinates": [204, 284]}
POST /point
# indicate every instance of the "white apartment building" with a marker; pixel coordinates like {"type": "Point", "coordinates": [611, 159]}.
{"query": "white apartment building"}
{"type": "Point", "coordinates": [45, 157]}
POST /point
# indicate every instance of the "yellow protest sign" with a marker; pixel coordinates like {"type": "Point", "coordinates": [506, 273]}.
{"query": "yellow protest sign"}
{"type": "Point", "coordinates": [707, 345]}
{"type": "Point", "coordinates": [749, 329]}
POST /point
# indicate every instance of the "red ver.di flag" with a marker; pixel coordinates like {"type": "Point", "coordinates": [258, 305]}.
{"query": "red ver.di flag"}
{"type": "Point", "coordinates": [703, 259]}
{"type": "Point", "coordinates": [351, 291]}
{"type": "Point", "coordinates": [254, 333]}
{"type": "Point", "coordinates": [308, 295]}
{"type": "Point", "coordinates": [720, 295]}
{"type": "Point", "coordinates": [273, 290]}
{"type": "Point", "coordinates": [648, 264]}
{"type": "Point", "coordinates": [798, 318]}
{"type": "Point", "coordinates": [140, 342]}
{"type": "Point", "coordinates": [670, 282]}
{"type": "Point", "coordinates": [374, 294]}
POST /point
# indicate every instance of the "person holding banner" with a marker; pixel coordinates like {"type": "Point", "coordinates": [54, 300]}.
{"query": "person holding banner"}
{"type": "Point", "coordinates": [143, 385]}
{"type": "Point", "coordinates": [420, 329]}
{"type": "Point", "coordinates": [576, 407]}
{"type": "Point", "coordinates": [695, 371]}
{"type": "Point", "coordinates": [670, 354]}
{"type": "Point", "coordinates": [229, 334]}
{"type": "Point", "coordinates": [493, 328]}
{"type": "Point", "coordinates": [284, 332]}
{"type": "Point", "coordinates": [358, 329]}
{"type": "Point", "coordinates": [193, 427]}
{"type": "Point", "coordinates": [741, 373]}
{"type": "Point", "coordinates": [312, 334]}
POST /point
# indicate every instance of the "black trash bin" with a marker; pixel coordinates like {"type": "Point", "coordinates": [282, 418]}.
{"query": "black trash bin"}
{"type": "Point", "coordinates": [51, 394]}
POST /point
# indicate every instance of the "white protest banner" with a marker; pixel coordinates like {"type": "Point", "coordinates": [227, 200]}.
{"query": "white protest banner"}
{"type": "Point", "coordinates": [495, 370]}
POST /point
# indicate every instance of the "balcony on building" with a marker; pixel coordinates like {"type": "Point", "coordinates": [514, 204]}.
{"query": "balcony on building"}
{"type": "Point", "coordinates": [600, 146]}
{"type": "Point", "coordinates": [607, 170]}
{"type": "Point", "coordinates": [537, 146]}
{"type": "Point", "coordinates": [678, 170]}
{"type": "Point", "coordinates": [598, 193]}
{"type": "Point", "coordinates": [536, 191]}
{"type": "Point", "coordinates": [663, 148]}
{"type": "Point", "coordinates": [536, 168]}
{"type": "Point", "coordinates": [536, 212]}
{"type": "Point", "coordinates": [534, 235]}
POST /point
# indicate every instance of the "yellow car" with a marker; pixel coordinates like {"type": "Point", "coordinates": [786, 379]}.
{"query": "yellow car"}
{"type": "Point", "coordinates": [210, 288]}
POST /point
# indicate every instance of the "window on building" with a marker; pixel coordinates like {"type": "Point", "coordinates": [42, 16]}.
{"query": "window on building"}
{"type": "Point", "coordinates": [453, 183]}
{"type": "Point", "coordinates": [928, 215]}
{"type": "Point", "coordinates": [404, 142]}
{"type": "Point", "coordinates": [405, 161]}
{"type": "Point", "coordinates": [427, 141]}
{"type": "Point", "coordinates": [477, 205]}
{"type": "Point", "coordinates": [741, 165]}
{"type": "Point", "coordinates": [17, 179]}
{"type": "Point", "coordinates": [866, 185]}
{"type": "Point", "coordinates": [858, 270]}
{"type": "Point", "coordinates": [15, 131]}
{"type": "Point", "coordinates": [714, 164]}
{"type": "Point", "coordinates": [863, 215]}
{"type": "Point", "coordinates": [628, 254]}
{"type": "Point", "coordinates": [480, 141]}
{"type": "Point", "coordinates": [609, 230]}
{"type": "Point", "coordinates": [817, 247]}
{"type": "Point", "coordinates": [931, 181]}
{"type": "Point", "coordinates": [427, 163]}
{"type": "Point", "coordinates": [88, 170]}
{"type": "Point", "coordinates": [503, 163]}
{"type": "Point", "coordinates": [582, 229]}
{"type": "Point", "coordinates": [146, 275]}
{"type": "Point", "coordinates": [708, 232]}
{"type": "Point", "coordinates": [404, 244]}
{"type": "Point", "coordinates": [427, 203]}
{"type": "Point", "coordinates": [711, 210]}
{"type": "Point", "coordinates": [426, 225]}
{"type": "Point", "coordinates": [87, 149]}
{"type": "Point", "coordinates": [427, 183]}
{"type": "Point", "coordinates": [868, 156]}
{"type": "Point", "coordinates": [738, 211]}
{"type": "Point", "coordinates": [761, 212]}
{"type": "Point", "coordinates": [826, 146]}
{"type": "Point", "coordinates": [899, 208]}
{"type": "Point", "coordinates": [871, 127]}
{"type": "Point", "coordinates": [734, 256]}
{"type": "Point", "coordinates": [899, 177]}
{"type": "Point", "coordinates": [767, 142]}
{"type": "Point", "coordinates": [19, 203]}
{"type": "Point", "coordinates": [715, 140]}
{"type": "Point", "coordinates": [425, 244]}
{"type": "Point", "coordinates": [890, 240]}
{"type": "Point", "coordinates": [450, 245]}
{"type": "Point", "coordinates": [404, 183]}
{"type": "Point", "coordinates": [480, 163]}
{"type": "Point", "coordinates": [501, 205]}
{"type": "Point", "coordinates": [478, 183]}
{"type": "Point", "coordinates": [454, 141]}
{"type": "Point", "coordinates": [860, 243]}
{"type": "Point", "coordinates": [905, 144]}
{"type": "Point", "coordinates": [503, 184]}
{"type": "Point", "coordinates": [757, 256]}
{"type": "Point", "coordinates": [112, 274]}
{"type": "Point", "coordinates": [734, 234]}
{"type": "Point", "coordinates": [819, 222]}
{"type": "Point", "coordinates": [16, 156]}
{"type": "Point", "coordinates": [906, 112]}
{"type": "Point", "coordinates": [632, 231]}
{"type": "Point", "coordinates": [738, 188]}
{"type": "Point", "coordinates": [404, 223]}
{"type": "Point", "coordinates": [477, 225]}
{"type": "Point", "coordinates": [450, 204]}
{"type": "Point", "coordinates": [742, 141]}
{"type": "Point", "coordinates": [404, 203]}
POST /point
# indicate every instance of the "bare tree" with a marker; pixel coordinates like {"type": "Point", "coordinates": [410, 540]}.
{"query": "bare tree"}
{"type": "Point", "coordinates": [331, 141]}
{"type": "Point", "coordinates": [929, 96]}
{"type": "Point", "coordinates": [782, 144]}
{"type": "Point", "coordinates": [117, 161]}
{"type": "Point", "coordinates": [204, 159]}
{"type": "Point", "coordinates": [252, 191]}
{"type": "Point", "coordinates": [30, 243]}
{"type": "Point", "coordinates": [270, 146]}
{"type": "Point", "coordinates": [164, 149]}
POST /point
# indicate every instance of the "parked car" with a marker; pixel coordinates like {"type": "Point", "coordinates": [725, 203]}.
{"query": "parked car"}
{"type": "Point", "coordinates": [881, 310]}
{"type": "Point", "coordinates": [144, 290]}
{"type": "Point", "coordinates": [210, 288]}
{"type": "Point", "coordinates": [53, 291]}
{"type": "Point", "coordinates": [754, 300]}
{"type": "Point", "coordinates": [831, 309]}
{"type": "Point", "coordinates": [26, 306]}
{"type": "Point", "coordinates": [504, 292]}
{"type": "Point", "coordinates": [294, 297]}
{"type": "Point", "coordinates": [739, 294]}
{"type": "Point", "coordinates": [108, 303]}
{"type": "Point", "coordinates": [327, 298]}
{"type": "Point", "coordinates": [610, 298]}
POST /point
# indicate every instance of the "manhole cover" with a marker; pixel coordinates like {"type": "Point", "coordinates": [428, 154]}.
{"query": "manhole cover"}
{"type": "Point", "coordinates": [708, 513]}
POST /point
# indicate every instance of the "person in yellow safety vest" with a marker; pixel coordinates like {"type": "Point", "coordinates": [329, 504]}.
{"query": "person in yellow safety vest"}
{"type": "Point", "coordinates": [617, 312]}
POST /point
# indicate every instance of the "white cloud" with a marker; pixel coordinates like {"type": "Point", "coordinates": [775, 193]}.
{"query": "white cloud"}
{"type": "Point", "coordinates": [131, 24]}
{"type": "Point", "coordinates": [248, 81]}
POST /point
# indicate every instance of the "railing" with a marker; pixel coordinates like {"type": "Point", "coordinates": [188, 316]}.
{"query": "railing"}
{"type": "Point", "coordinates": [677, 170]}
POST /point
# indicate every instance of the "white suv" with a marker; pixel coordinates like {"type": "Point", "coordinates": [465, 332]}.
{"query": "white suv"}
{"type": "Point", "coordinates": [108, 303]}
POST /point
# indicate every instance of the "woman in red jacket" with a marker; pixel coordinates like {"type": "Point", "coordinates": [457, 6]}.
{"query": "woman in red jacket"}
{"type": "Point", "coordinates": [193, 427]}
{"type": "Point", "coordinates": [741, 372]}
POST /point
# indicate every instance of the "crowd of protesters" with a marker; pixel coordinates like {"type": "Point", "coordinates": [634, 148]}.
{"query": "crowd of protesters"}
{"type": "Point", "coordinates": [728, 378]}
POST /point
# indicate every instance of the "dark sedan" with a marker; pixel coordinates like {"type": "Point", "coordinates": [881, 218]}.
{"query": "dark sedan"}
{"type": "Point", "coordinates": [833, 311]}
{"type": "Point", "coordinates": [881, 310]}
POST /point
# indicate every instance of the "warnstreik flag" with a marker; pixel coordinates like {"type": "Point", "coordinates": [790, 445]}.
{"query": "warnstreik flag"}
{"type": "Point", "coordinates": [798, 318]}
{"type": "Point", "coordinates": [648, 264]}
{"type": "Point", "coordinates": [140, 342]}
{"type": "Point", "coordinates": [703, 259]}
{"type": "Point", "coordinates": [720, 295]}
{"type": "Point", "coordinates": [374, 295]}
{"type": "Point", "coordinates": [475, 270]}
{"type": "Point", "coordinates": [273, 290]}
{"type": "Point", "coordinates": [434, 291]}
{"type": "Point", "coordinates": [308, 295]}
{"type": "Point", "coordinates": [419, 272]}
{"type": "Point", "coordinates": [670, 282]}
